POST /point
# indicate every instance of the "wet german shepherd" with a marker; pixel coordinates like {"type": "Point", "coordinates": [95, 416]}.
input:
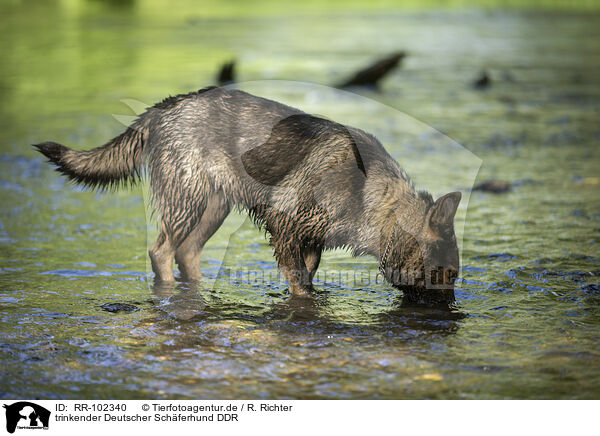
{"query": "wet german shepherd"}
{"type": "Point", "coordinates": [311, 183]}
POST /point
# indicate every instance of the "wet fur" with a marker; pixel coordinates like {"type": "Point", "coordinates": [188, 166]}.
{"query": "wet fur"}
{"type": "Point", "coordinates": [311, 183]}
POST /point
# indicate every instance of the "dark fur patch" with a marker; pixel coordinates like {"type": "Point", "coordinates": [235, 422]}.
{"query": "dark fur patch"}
{"type": "Point", "coordinates": [426, 196]}
{"type": "Point", "coordinates": [52, 151]}
{"type": "Point", "coordinates": [291, 141]}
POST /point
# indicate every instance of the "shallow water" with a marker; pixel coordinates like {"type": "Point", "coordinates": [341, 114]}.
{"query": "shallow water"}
{"type": "Point", "coordinates": [528, 317]}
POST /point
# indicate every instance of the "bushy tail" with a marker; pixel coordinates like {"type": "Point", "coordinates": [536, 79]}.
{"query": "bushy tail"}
{"type": "Point", "coordinates": [109, 166]}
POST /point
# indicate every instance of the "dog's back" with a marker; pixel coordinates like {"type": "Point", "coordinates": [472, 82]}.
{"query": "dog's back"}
{"type": "Point", "coordinates": [256, 153]}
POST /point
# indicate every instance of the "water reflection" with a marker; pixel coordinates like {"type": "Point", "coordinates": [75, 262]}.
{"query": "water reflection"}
{"type": "Point", "coordinates": [295, 309]}
{"type": "Point", "coordinates": [192, 302]}
{"type": "Point", "coordinates": [182, 301]}
{"type": "Point", "coordinates": [426, 319]}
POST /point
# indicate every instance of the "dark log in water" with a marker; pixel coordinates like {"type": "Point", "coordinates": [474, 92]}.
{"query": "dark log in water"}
{"type": "Point", "coordinates": [371, 75]}
{"type": "Point", "coordinates": [484, 81]}
{"type": "Point", "coordinates": [226, 75]}
{"type": "Point", "coordinates": [494, 187]}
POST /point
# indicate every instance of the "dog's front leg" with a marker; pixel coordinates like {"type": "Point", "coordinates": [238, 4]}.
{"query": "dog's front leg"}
{"type": "Point", "coordinates": [312, 257]}
{"type": "Point", "coordinates": [293, 268]}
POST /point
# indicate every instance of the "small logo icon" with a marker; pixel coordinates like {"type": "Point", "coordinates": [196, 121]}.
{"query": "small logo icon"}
{"type": "Point", "coordinates": [26, 415]}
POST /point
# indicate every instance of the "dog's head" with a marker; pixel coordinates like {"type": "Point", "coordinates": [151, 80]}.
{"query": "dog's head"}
{"type": "Point", "coordinates": [424, 263]}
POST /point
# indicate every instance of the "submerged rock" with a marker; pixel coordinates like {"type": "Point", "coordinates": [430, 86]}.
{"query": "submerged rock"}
{"type": "Point", "coordinates": [494, 187]}
{"type": "Point", "coordinates": [119, 307]}
{"type": "Point", "coordinates": [483, 81]}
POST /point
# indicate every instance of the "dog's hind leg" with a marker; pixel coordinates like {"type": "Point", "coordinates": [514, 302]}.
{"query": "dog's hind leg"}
{"type": "Point", "coordinates": [161, 256]}
{"type": "Point", "coordinates": [189, 250]}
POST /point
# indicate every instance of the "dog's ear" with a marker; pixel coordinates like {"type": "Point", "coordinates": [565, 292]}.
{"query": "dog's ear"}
{"type": "Point", "coordinates": [441, 214]}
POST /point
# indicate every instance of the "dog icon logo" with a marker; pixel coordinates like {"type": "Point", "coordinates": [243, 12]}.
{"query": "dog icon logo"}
{"type": "Point", "coordinates": [26, 415]}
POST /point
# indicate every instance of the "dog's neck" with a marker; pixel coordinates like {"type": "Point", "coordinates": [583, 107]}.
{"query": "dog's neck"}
{"type": "Point", "coordinates": [394, 214]}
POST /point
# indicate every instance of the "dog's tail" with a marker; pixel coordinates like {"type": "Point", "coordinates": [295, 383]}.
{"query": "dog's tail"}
{"type": "Point", "coordinates": [116, 163]}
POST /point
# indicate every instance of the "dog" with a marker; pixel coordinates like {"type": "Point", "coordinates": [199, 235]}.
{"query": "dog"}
{"type": "Point", "coordinates": [310, 183]}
